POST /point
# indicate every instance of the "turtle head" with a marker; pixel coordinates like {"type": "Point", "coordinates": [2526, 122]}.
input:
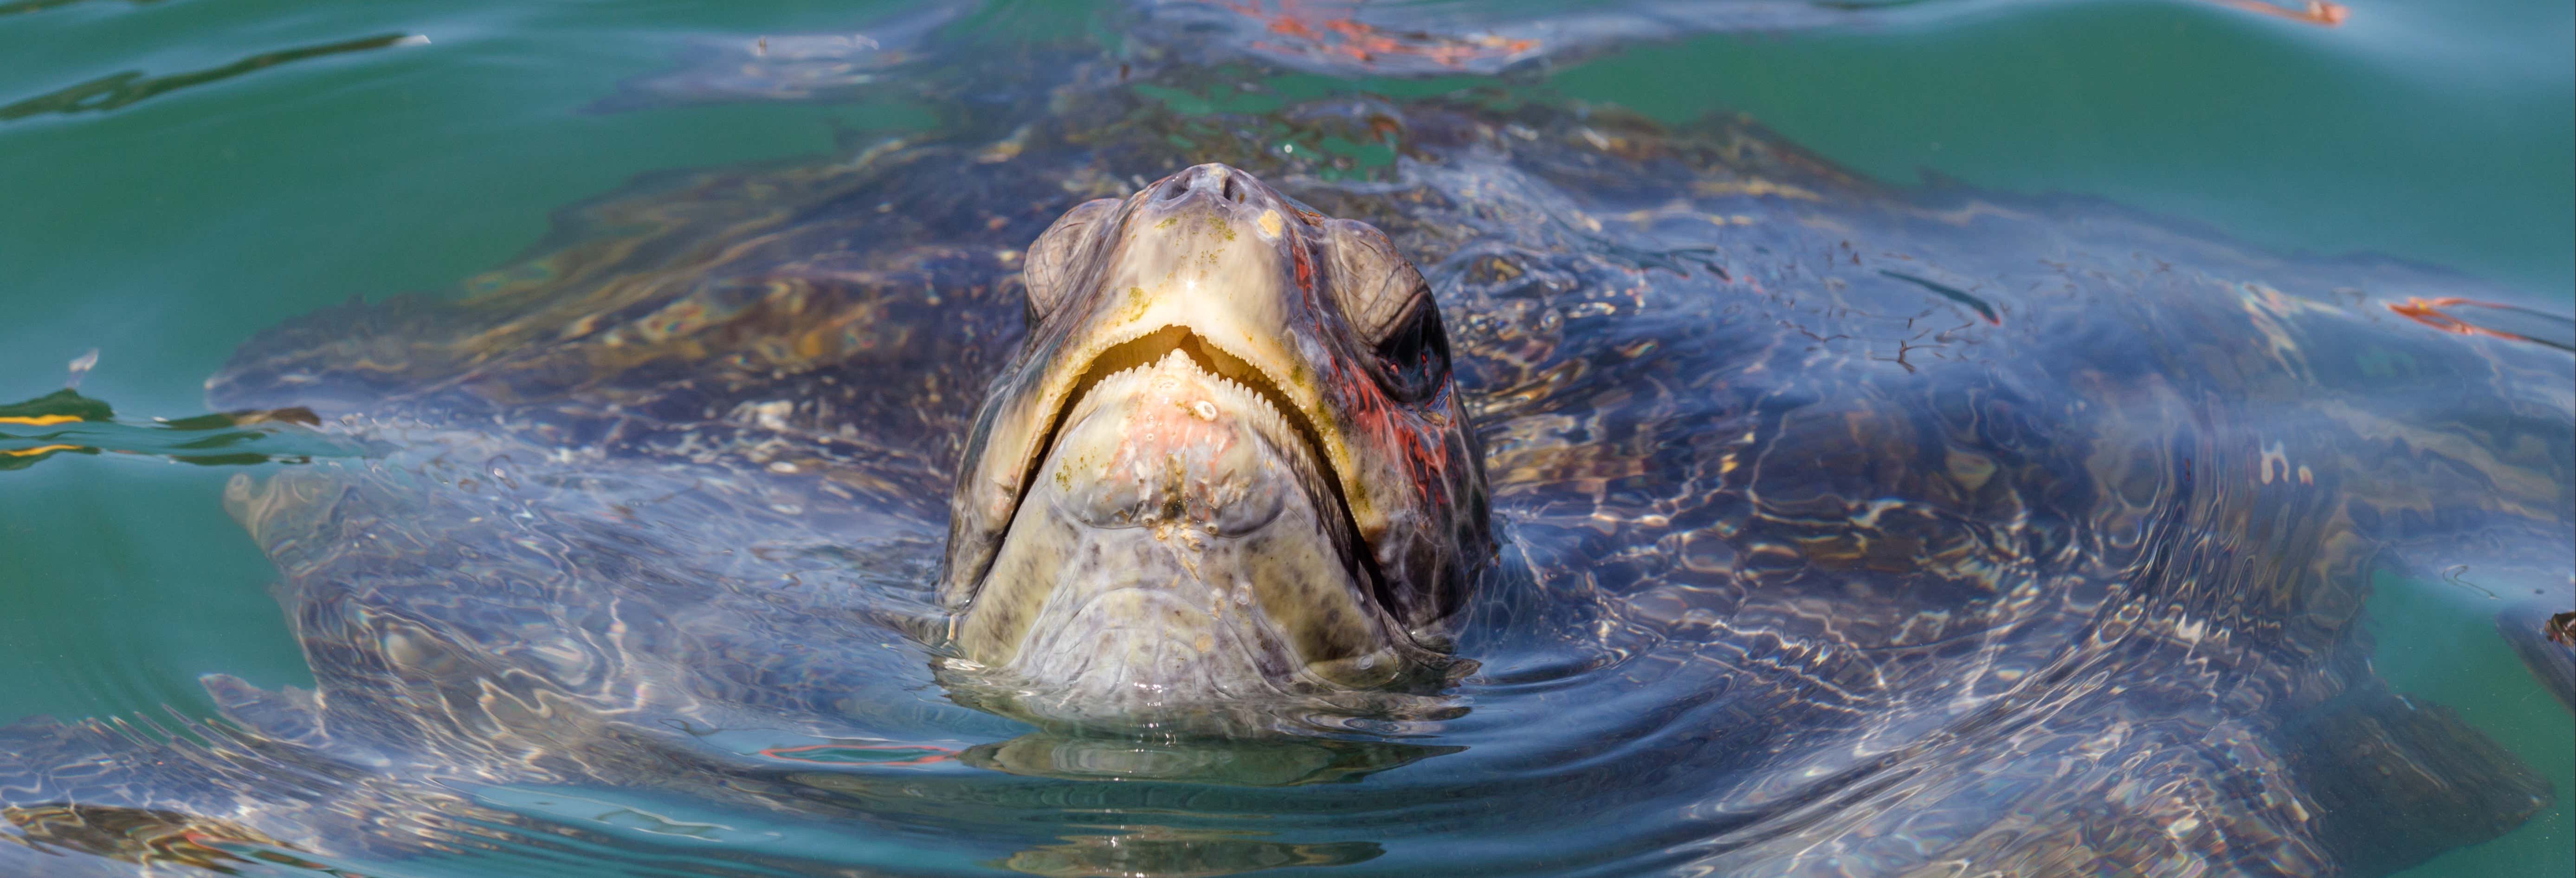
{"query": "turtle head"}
{"type": "Point", "coordinates": [1227, 461]}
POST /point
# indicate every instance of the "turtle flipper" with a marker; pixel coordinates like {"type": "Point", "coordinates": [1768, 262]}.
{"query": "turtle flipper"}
{"type": "Point", "coordinates": [268, 783]}
{"type": "Point", "coordinates": [81, 798]}
{"type": "Point", "coordinates": [2372, 747]}
{"type": "Point", "coordinates": [341, 358]}
{"type": "Point", "coordinates": [2096, 777]}
{"type": "Point", "coordinates": [122, 836]}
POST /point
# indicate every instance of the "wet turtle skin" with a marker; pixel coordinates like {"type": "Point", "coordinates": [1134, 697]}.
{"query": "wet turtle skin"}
{"type": "Point", "coordinates": [1229, 466]}
{"type": "Point", "coordinates": [1842, 531]}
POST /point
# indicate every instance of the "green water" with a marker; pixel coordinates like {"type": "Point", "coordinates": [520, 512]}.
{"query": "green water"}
{"type": "Point", "coordinates": [162, 218]}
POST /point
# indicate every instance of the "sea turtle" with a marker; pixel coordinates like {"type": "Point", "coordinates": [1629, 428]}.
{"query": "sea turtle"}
{"type": "Point", "coordinates": [1767, 521]}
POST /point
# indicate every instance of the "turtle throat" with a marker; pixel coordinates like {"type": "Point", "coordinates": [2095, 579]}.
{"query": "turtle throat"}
{"type": "Point", "coordinates": [1179, 539]}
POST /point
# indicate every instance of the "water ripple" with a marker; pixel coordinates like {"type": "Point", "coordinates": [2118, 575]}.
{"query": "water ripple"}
{"type": "Point", "coordinates": [119, 90]}
{"type": "Point", "coordinates": [65, 422]}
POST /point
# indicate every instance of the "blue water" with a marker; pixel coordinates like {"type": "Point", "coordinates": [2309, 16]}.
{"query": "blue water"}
{"type": "Point", "coordinates": [183, 174]}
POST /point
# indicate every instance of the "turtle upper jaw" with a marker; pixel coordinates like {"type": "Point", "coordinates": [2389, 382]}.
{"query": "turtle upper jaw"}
{"type": "Point", "coordinates": [1179, 544]}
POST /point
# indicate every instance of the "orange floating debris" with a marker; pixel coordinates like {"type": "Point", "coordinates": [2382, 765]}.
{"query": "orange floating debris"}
{"type": "Point", "coordinates": [2316, 12]}
{"type": "Point", "coordinates": [2429, 313]}
{"type": "Point", "coordinates": [1321, 33]}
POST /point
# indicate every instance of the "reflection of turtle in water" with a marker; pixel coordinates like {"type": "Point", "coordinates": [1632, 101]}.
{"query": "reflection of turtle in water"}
{"type": "Point", "coordinates": [1832, 531]}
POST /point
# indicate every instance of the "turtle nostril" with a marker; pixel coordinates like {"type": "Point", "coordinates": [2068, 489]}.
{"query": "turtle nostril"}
{"type": "Point", "coordinates": [1233, 189]}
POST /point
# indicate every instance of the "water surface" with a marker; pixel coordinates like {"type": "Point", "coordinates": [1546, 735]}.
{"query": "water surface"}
{"type": "Point", "coordinates": [185, 173]}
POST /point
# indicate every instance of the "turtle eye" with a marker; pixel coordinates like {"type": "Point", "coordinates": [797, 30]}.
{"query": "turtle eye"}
{"type": "Point", "coordinates": [1372, 285]}
{"type": "Point", "coordinates": [1058, 254]}
{"type": "Point", "coordinates": [1413, 359]}
{"type": "Point", "coordinates": [1388, 303]}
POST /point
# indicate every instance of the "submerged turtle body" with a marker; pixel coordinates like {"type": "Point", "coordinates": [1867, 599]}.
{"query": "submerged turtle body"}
{"type": "Point", "coordinates": [1840, 532]}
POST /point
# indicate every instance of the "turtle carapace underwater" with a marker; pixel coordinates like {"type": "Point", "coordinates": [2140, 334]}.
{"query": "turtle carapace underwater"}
{"type": "Point", "coordinates": [1112, 484]}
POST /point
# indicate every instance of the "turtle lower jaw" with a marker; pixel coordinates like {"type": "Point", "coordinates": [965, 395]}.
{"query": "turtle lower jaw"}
{"type": "Point", "coordinates": [1180, 545]}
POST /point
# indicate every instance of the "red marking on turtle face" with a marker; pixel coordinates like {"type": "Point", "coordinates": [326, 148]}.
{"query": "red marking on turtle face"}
{"type": "Point", "coordinates": [1305, 269]}
{"type": "Point", "coordinates": [1416, 443]}
{"type": "Point", "coordinates": [1430, 465]}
